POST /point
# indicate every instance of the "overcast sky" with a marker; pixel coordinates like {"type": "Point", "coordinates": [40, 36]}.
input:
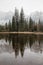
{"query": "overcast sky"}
{"type": "Point", "coordinates": [28, 5]}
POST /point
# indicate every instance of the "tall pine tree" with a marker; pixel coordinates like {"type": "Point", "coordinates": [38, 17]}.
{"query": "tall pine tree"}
{"type": "Point", "coordinates": [30, 25]}
{"type": "Point", "coordinates": [9, 26]}
{"type": "Point", "coordinates": [21, 25]}
{"type": "Point", "coordinates": [17, 19]}
{"type": "Point", "coordinates": [13, 24]}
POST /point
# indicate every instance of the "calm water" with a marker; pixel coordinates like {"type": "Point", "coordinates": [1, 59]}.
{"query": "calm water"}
{"type": "Point", "coordinates": [21, 50]}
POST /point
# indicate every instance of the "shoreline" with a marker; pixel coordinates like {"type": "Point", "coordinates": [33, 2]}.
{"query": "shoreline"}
{"type": "Point", "coordinates": [36, 33]}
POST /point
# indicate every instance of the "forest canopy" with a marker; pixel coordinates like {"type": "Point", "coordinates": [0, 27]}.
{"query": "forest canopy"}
{"type": "Point", "coordinates": [21, 23]}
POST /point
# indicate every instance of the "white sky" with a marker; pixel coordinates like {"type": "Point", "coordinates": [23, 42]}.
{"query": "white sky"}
{"type": "Point", "coordinates": [28, 5]}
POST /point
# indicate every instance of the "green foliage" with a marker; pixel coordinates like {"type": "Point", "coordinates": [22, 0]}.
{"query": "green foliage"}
{"type": "Point", "coordinates": [30, 25]}
{"type": "Point", "coordinates": [13, 24]}
{"type": "Point", "coordinates": [9, 26]}
{"type": "Point", "coordinates": [6, 27]}
{"type": "Point", "coordinates": [16, 19]}
{"type": "Point", "coordinates": [20, 23]}
{"type": "Point", "coordinates": [1, 28]}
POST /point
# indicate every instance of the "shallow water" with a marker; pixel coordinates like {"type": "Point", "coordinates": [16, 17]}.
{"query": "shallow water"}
{"type": "Point", "coordinates": [21, 50]}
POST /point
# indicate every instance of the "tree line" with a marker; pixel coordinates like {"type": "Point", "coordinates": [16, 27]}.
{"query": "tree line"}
{"type": "Point", "coordinates": [22, 24]}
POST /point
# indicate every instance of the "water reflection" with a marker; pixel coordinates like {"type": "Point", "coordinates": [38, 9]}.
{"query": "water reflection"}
{"type": "Point", "coordinates": [19, 43]}
{"type": "Point", "coordinates": [21, 49]}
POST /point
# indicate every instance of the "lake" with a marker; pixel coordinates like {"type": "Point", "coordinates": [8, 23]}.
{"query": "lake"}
{"type": "Point", "coordinates": [21, 49]}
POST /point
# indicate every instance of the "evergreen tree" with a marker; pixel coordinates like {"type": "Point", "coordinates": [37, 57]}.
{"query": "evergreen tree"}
{"type": "Point", "coordinates": [6, 27]}
{"type": "Point", "coordinates": [21, 25]}
{"type": "Point", "coordinates": [9, 26]}
{"type": "Point", "coordinates": [39, 25]}
{"type": "Point", "coordinates": [25, 25]}
{"type": "Point", "coordinates": [17, 19]}
{"type": "Point", "coordinates": [30, 25]}
{"type": "Point", "coordinates": [13, 24]}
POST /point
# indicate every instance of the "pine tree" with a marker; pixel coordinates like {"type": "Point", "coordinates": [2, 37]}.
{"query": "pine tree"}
{"type": "Point", "coordinates": [13, 24]}
{"type": "Point", "coordinates": [30, 25]}
{"type": "Point", "coordinates": [9, 26]}
{"type": "Point", "coordinates": [21, 25]}
{"type": "Point", "coordinates": [6, 27]}
{"type": "Point", "coordinates": [17, 19]}
{"type": "Point", "coordinates": [39, 24]}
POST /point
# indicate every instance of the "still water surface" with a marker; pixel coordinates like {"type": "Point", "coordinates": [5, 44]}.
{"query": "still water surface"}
{"type": "Point", "coordinates": [21, 49]}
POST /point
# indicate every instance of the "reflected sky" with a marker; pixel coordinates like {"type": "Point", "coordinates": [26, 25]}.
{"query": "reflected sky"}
{"type": "Point", "coordinates": [19, 43]}
{"type": "Point", "coordinates": [21, 50]}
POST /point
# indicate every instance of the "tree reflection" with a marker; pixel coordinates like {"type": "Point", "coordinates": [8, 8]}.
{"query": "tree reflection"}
{"type": "Point", "coordinates": [15, 44]}
{"type": "Point", "coordinates": [31, 40]}
{"type": "Point", "coordinates": [20, 42]}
